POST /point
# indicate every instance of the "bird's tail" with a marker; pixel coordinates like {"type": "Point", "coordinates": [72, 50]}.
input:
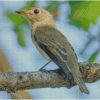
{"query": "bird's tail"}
{"type": "Point", "coordinates": [79, 81]}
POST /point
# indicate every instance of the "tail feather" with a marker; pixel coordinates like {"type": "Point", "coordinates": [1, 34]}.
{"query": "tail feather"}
{"type": "Point", "coordinates": [79, 81]}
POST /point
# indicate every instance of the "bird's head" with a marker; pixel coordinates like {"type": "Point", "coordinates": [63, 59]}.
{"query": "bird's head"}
{"type": "Point", "coordinates": [36, 14]}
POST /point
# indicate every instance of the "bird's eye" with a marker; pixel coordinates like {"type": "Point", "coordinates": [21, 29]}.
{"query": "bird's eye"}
{"type": "Point", "coordinates": [36, 11]}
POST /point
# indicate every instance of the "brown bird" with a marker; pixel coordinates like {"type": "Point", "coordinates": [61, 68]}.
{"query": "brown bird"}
{"type": "Point", "coordinates": [52, 44]}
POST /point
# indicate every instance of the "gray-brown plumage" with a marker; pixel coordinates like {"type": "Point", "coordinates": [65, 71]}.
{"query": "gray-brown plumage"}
{"type": "Point", "coordinates": [53, 45]}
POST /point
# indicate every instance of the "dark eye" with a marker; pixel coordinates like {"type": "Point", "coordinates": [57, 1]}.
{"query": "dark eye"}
{"type": "Point", "coordinates": [36, 11]}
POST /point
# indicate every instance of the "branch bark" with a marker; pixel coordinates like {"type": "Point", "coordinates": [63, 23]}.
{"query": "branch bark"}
{"type": "Point", "coordinates": [5, 67]}
{"type": "Point", "coordinates": [14, 81]}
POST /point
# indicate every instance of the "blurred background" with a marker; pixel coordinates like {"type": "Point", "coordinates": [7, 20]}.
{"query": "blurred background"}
{"type": "Point", "coordinates": [78, 21]}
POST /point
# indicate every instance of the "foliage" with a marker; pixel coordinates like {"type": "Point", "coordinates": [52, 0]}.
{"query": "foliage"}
{"type": "Point", "coordinates": [93, 56]}
{"type": "Point", "coordinates": [19, 21]}
{"type": "Point", "coordinates": [83, 13]}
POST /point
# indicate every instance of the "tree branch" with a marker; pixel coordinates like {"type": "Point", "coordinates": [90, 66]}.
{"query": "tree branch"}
{"type": "Point", "coordinates": [13, 81]}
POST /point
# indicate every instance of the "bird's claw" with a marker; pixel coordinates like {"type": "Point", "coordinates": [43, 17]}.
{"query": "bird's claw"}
{"type": "Point", "coordinates": [42, 70]}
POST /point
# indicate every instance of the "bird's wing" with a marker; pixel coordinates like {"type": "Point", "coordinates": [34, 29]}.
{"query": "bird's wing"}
{"type": "Point", "coordinates": [55, 45]}
{"type": "Point", "coordinates": [60, 51]}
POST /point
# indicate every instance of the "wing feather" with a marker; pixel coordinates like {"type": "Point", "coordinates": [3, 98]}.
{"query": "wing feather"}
{"type": "Point", "coordinates": [47, 40]}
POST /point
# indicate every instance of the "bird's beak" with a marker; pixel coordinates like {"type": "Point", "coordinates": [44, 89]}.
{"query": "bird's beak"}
{"type": "Point", "coordinates": [22, 12]}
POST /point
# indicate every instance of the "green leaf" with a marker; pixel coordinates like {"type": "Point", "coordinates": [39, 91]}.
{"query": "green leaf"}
{"type": "Point", "coordinates": [84, 12]}
{"type": "Point", "coordinates": [93, 56]}
{"type": "Point", "coordinates": [29, 4]}
{"type": "Point", "coordinates": [20, 36]}
{"type": "Point", "coordinates": [16, 19]}
{"type": "Point", "coordinates": [86, 46]}
{"type": "Point", "coordinates": [19, 21]}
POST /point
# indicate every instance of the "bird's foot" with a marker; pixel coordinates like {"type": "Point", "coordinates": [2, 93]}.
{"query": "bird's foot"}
{"type": "Point", "coordinates": [42, 70]}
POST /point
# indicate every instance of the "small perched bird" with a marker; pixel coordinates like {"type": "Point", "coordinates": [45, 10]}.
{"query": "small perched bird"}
{"type": "Point", "coordinates": [52, 44]}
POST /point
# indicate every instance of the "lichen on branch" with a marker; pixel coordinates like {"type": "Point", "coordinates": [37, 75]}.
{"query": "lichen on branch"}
{"type": "Point", "coordinates": [14, 81]}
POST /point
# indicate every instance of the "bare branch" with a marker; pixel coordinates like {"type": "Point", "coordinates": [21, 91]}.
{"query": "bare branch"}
{"type": "Point", "coordinates": [13, 81]}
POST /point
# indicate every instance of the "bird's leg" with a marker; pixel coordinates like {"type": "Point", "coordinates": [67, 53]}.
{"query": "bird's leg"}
{"type": "Point", "coordinates": [42, 68]}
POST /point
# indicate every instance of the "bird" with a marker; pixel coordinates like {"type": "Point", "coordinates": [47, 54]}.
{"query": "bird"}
{"type": "Point", "coordinates": [52, 44]}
